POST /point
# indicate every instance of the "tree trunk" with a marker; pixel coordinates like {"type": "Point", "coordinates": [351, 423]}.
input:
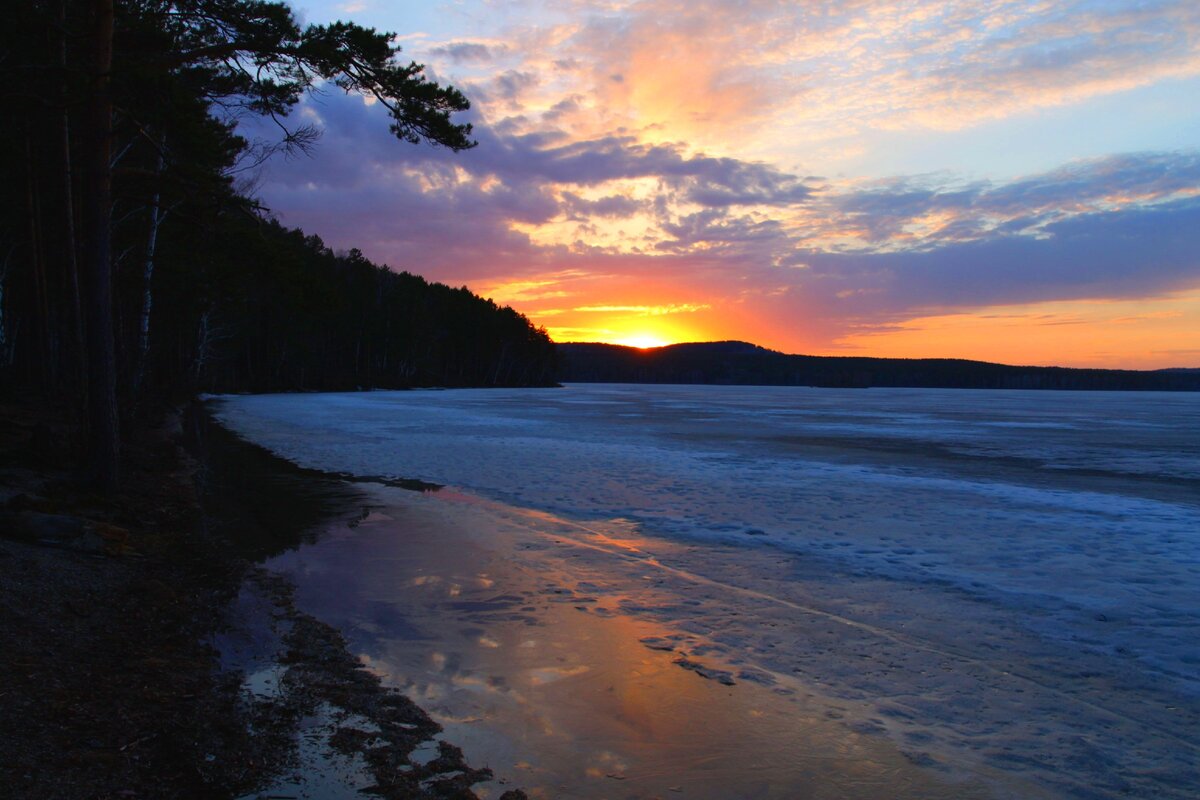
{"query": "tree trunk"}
{"type": "Point", "coordinates": [7, 337]}
{"type": "Point", "coordinates": [78, 377]}
{"type": "Point", "coordinates": [156, 218]}
{"type": "Point", "coordinates": [37, 262]}
{"type": "Point", "coordinates": [205, 336]}
{"type": "Point", "coordinates": [103, 434]}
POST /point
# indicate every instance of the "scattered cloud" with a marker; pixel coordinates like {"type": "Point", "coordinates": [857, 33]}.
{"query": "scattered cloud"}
{"type": "Point", "coordinates": [465, 52]}
{"type": "Point", "coordinates": [646, 311]}
{"type": "Point", "coordinates": [637, 159]}
{"type": "Point", "coordinates": [709, 233]}
{"type": "Point", "coordinates": [752, 73]}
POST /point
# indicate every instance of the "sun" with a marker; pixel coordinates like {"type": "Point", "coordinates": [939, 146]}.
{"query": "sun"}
{"type": "Point", "coordinates": [642, 341]}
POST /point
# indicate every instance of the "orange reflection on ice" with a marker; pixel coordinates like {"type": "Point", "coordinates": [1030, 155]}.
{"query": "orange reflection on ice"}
{"type": "Point", "coordinates": [562, 664]}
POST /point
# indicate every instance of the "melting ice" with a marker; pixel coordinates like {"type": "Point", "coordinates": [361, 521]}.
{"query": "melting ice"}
{"type": "Point", "coordinates": [1071, 518]}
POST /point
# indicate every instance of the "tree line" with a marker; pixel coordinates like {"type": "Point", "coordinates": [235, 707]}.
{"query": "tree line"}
{"type": "Point", "coordinates": [133, 264]}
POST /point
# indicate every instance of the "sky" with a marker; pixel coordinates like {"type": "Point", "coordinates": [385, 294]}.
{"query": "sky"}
{"type": "Point", "coordinates": [989, 179]}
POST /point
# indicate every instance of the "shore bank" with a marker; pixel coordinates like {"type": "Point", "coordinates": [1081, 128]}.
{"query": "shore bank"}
{"type": "Point", "coordinates": [117, 613]}
{"type": "Point", "coordinates": [107, 683]}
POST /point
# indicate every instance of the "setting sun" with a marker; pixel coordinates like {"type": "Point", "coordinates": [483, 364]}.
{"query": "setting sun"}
{"type": "Point", "coordinates": [641, 340]}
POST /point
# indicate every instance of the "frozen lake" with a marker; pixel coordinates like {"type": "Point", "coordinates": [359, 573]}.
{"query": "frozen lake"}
{"type": "Point", "coordinates": [1002, 586]}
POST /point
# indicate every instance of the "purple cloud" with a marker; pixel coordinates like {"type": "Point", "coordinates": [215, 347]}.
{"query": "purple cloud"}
{"type": "Point", "coordinates": [468, 52]}
{"type": "Point", "coordinates": [1125, 226]}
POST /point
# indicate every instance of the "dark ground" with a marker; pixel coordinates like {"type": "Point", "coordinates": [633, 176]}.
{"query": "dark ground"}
{"type": "Point", "coordinates": [109, 684]}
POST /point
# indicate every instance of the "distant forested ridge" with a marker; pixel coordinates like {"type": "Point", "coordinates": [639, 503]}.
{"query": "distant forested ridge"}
{"type": "Point", "coordinates": [741, 363]}
{"type": "Point", "coordinates": [135, 262]}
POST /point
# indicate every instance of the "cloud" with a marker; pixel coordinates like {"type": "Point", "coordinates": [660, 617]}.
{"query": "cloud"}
{"type": "Point", "coordinates": [639, 154]}
{"type": "Point", "coordinates": [763, 74]}
{"type": "Point", "coordinates": [1132, 252]}
{"type": "Point", "coordinates": [563, 224]}
{"type": "Point", "coordinates": [646, 311]}
{"type": "Point", "coordinates": [469, 52]}
{"type": "Point", "coordinates": [608, 206]}
{"type": "Point", "coordinates": [923, 212]}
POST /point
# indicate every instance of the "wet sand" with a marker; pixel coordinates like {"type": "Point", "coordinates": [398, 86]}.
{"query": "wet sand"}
{"type": "Point", "coordinates": [559, 657]}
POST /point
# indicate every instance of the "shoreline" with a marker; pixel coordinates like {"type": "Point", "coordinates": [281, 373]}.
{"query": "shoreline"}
{"type": "Point", "coordinates": [108, 684]}
{"type": "Point", "coordinates": [113, 610]}
{"type": "Point", "coordinates": [350, 732]}
{"type": "Point", "coordinates": [451, 597]}
{"type": "Point", "coordinates": [768, 736]}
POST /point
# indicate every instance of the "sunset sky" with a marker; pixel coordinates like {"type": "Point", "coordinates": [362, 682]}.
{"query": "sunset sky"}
{"type": "Point", "coordinates": [1009, 181]}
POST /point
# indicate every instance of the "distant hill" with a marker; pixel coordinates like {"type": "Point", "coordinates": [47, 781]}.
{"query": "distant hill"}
{"type": "Point", "coordinates": [742, 363]}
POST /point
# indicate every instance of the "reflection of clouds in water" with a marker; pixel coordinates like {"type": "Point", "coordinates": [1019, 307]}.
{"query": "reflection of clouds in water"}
{"type": "Point", "coordinates": [586, 696]}
{"type": "Point", "coordinates": [542, 675]}
{"type": "Point", "coordinates": [975, 488]}
{"type": "Point", "coordinates": [606, 764]}
{"type": "Point", "coordinates": [456, 584]}
{"type": "Point", "coordinates": [863, 636]}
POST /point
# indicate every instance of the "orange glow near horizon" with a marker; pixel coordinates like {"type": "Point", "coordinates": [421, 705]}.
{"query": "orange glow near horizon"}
{"type": "Point", "coordinates": [1152, 333]}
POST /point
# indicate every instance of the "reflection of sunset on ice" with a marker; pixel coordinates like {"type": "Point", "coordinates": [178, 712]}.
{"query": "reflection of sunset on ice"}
{"type": "Point", "coordinates": [772, 591]}
{"type": "Point", "coordinates": [581, 684]}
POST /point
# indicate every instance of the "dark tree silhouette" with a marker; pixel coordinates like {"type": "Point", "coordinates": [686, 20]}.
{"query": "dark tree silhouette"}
{"type": "Point", "coordinates": [120, 159]}
{"type": "Point", "coordinates": [103, 439]}
{"type": "Point", "coordinates": [254, 54]}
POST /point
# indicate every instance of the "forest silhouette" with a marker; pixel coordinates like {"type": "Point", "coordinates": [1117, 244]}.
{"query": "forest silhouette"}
{"type": "Point", "coordinates": [135, 265]}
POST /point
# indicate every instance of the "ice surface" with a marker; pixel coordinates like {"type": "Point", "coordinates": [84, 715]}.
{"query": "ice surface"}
{"type": "Point", "coordinates": [1080, 504]}
{"type": "Point", "coordinates": [1050, 539]}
